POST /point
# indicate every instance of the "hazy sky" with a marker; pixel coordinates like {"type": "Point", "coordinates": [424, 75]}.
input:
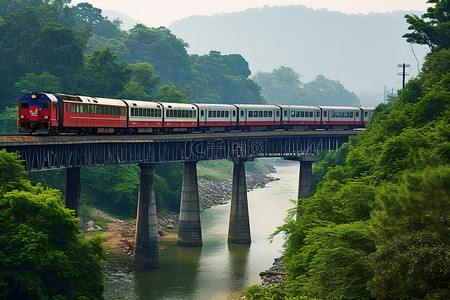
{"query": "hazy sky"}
{"type": "Point", "coordinates": [155, 13]}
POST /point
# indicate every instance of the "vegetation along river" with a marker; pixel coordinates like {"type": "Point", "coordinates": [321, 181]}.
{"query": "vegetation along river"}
{"type": "Point", "coordinates": [217, 270]}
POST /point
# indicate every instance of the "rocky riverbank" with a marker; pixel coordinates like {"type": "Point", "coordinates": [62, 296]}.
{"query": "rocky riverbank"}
{"type": "Point", "coordinates": [275, 275]}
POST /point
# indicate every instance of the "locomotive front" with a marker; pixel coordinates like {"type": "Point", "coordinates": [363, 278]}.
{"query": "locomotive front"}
{"type": "Point", "coordinates": [38, 112]}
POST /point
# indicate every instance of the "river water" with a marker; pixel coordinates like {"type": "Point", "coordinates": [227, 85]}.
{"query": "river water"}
{"type": "Point", "coordinates": [217, 270]}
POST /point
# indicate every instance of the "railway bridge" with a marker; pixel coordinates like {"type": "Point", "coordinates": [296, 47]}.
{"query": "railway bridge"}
{"type": "Point", "coordinates": [45, 152]}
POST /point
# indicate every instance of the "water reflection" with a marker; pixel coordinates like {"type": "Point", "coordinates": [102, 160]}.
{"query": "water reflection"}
{"type": "Point", "coordinates": [238, 266]}
{"type": "Point", "coordinates": [176, 279]}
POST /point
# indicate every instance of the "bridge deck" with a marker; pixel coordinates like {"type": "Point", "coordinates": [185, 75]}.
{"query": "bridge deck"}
{"type": "Point", "coordinates": [26, 139]}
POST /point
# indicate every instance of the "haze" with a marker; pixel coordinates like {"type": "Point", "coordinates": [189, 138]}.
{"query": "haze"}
{"type": "Point", "coordinates": [157, 13]}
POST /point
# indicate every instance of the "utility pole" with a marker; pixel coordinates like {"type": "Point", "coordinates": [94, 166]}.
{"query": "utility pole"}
{"type": "Point", "coordinates": [403, 73]}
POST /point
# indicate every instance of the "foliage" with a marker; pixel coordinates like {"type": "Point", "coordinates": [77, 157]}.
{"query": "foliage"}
{"type": "Point", "coordinates": [433, 29]}
{"type": "Point", "coordinates": [283, 86]}
{"type": "Point", "coordinates": [8, 120]}
{"type": "Point", "coordinates": [44, 82]}
{"type": "Point", "coordinates": [42, 254]}
{"type": "Point", "coordinates": [377, 227]}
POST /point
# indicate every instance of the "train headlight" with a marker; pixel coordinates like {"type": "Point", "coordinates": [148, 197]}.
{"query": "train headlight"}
{"type": "Point", "coordinates": [46, 117]}
{"type": "Point", "coordinates": [22, 116]}
{"type": "Point", "coordinates": [33, 96]}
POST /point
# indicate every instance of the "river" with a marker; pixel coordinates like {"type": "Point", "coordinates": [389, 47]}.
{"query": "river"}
{"type": "Point", "coordinates": [217, 270]}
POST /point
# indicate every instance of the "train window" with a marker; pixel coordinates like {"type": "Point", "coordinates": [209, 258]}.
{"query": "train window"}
{"type": "Point", "coordinates": [45, 105]}
{"type": "Point", "coordinates": [297, 114]}
{"type": "Point", "coordinates": [278, 113]}
{"type": "Point", "coordinates": [260, 114]}
{"type": "Point", "coordinates": [65, 107]}
{"type": "Point", "coordinates": [214, 113]}
{"type": "Point", "coordinates": [202, 113]}
{"type": "Point", "coordinates": [131, 112]}
{"type": "Point", "coordinates": [250, 114]}
{"type": "Point", "coordinates": [270, 114]}
{"type": "Point", "coordinates": [209, 114]}
{"type": "Point", "coordinates": [302, 114]}
{"type": "Point", "coordinates": [317, 114]}
{"type": "Point", "coordinates": [159, 113]}
{"type": "Point", "coordinates": [234, 113]}
{"type": "Point", "coordinates": [183, 113]}
{"type": "Point", "coordinates": [222, 114]}
{"type": "Point", "coordinates": [351, 114]}
{"type": "Point", "coordinates": [285, 113]}
{"type": "Point", "coordinates": [357, 114]}
{"type": "Point", "coordinates": [265, 114]}
{"type": "Point", "coordinates": [311, 114]}
{"type": "Point", "coordinates": [194, 114]}
{"type": "Point", "coordinates": [292, 113]}
{"type": "Point", "coordinates": [23, 104]}
{"type": "Point", "coordinates": [190, 114]}
{"type": "Point", "coordinates": [140, 112]}
{"type": "Point", "coordinates": [242, 113]}
{"type": "Point", "coordinates": [346, 115]}
{"type": "Point", "coordinates": [325, 114]}
{"type": "Point", "coordinates": [227, 114]}
{"type": "Point", "coordinates": [365, 114]}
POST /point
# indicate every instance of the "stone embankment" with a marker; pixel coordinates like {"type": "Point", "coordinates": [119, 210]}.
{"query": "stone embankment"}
{"type": "Point", "coordinates": [275, 275]}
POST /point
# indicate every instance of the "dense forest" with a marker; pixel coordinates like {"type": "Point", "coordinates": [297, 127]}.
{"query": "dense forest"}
{"type": "Point", "coordinates": [378, 225]}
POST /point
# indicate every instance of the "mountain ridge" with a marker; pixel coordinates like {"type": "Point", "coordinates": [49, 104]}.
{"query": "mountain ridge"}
{"type": "Point", "coordinates": [360, 50]}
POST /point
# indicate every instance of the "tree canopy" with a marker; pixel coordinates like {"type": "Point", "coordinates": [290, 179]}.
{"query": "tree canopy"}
{"type": "Point", "coordinates": [42, 254]}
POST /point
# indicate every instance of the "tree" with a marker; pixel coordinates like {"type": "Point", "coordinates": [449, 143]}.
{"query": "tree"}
{"type": "Point", "coordinates": [433, 29]}
{"type": "Point", "coordinates": [44, 82]}
{"type": "Point", "coordinates": [324, 91]}
{"type": "Point", "coordinates": [42, 254]}
{"type": "Point", "coordinates": [281, 86]}
{"type": "Point", "coordinates": [107, 77]}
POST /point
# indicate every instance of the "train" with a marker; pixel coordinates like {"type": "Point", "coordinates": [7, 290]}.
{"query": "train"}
{"type": "Point", "coordinates": [54, 113]}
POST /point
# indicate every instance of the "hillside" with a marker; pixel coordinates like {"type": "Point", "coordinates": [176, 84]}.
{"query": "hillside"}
{"type": "Point", "coordinates": [361, 51]}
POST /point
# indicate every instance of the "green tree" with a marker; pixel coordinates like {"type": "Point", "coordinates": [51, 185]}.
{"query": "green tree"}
{"type": "Point", "coordinates": [44, 82]}
{"type": "Point", "coordinates": [323, 91]}
{"type": "Point", "coordinates": [8, 120]}
{"type": "Point", "coordinates": [42, 253]}
{"type": "Point", "coordinates": [433, 29]}
{"type": "Point", "coordinates": [106, 77]}
{"type": "Point", "coordinates": [413, 265]}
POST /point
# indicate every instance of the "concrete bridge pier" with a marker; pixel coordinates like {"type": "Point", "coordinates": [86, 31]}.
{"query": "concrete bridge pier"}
{"type": "Point", "coordinates": [239, 228]}
{"type": "Point", "coordinates": [146, 248]}
{"type": "Point", "coordinates": [189, 230]}
{"type": "Point", "coordinates": [72, 199]}
{"type": "Point", "coordinates": [305, 181]}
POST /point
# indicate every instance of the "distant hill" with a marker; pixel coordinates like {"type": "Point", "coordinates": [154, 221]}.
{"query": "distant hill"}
{"type": "Point", "coordinates": [361, 51]}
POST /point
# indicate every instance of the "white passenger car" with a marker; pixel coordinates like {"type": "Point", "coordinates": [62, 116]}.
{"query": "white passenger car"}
{"type": "Point", "coordinates": [144, 116]}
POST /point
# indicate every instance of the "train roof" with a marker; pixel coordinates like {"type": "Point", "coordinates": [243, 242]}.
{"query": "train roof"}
{"type": "Point", "coordinates": [217, 106]}
{"type": "Point", "coordinates": [257, 106]}
{"type": "Point", "coordinates": [299, 107]}
{"type": "Point", "coordinates": [178, 105]}
{"type": "Point", "coordinates": [91, 100]}
{"type": "Point", "coordinates": [340, 107]}
{"type": "Point", "coordinates": [142, 104]}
